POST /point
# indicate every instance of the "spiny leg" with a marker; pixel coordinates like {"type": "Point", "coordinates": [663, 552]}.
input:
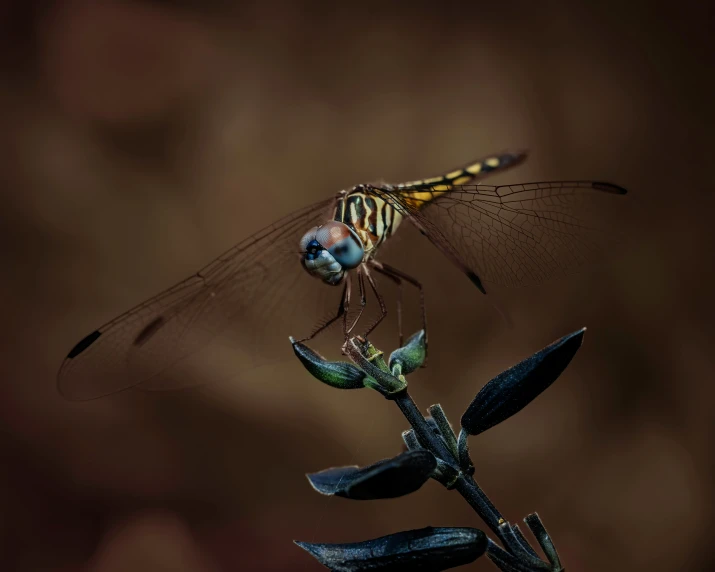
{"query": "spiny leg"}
{"type": "Point", "coordinates": [342, 311]}
{"type": "Point", "coordinates": [363, 302]}
{"type": "Point", "coordinates": [396, 274]}
{"type": "Point", "coordinates": [398, 282]}
{"type": "Point", "coordinates": [383, 306]}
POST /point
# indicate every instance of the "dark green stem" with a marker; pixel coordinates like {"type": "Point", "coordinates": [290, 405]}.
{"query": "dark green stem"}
{"type": "Point", "coordinates": [512, 542]}
{"type": "Point", "coordinates": [537, 528]}
{"type": "Point", "coordinates": [465, 484]}
{"type": "Point", "coordinates": [429, 439]}
{"type": "Point", "coordinates": [505, 561]}
{"type": "Point", "coordinates": [411, 440]}
{"type": "Point", "coordinates": [478, 500]}
{"type": "Point", "coordinates": [463, 453]}
{"type": "Point", "coordinates": [524, 542]}
{"type": "Point", "coordinates": [445, 428]}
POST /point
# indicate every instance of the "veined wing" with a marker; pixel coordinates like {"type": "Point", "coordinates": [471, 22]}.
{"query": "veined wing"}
{"type": "Point", "coordinates": [258, 284]}
{"type": "Point", "coordinates": [513, 235]}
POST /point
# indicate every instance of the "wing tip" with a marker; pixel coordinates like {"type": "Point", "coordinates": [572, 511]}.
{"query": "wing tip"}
{"type": "Point", "coordinates": [609, 188]}
{"type": "Point", "coordinates": [476, 281]}
{"type": "Point", "coordinates": [61, 383]}
{"type": "Point", "coordinates": [79, 348]}
{"type": "Point", "coordinates": [83, 344]}
{"type": "Point", "coordinates": [79, 397]}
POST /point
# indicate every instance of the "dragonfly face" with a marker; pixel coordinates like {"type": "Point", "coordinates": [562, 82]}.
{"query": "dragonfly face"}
{"type": "Point", "coordinates": [329, 250]}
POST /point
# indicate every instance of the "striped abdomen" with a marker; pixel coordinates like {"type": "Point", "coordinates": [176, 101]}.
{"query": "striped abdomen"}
{"type": "Point", "coordinates": [418, 194]}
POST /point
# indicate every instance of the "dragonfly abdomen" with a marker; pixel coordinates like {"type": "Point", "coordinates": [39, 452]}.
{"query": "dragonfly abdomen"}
{"type": "Point", "coordinates": [419, 194]}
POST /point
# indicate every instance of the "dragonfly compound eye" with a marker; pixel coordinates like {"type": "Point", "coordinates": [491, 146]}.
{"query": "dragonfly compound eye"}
{"type": "Point", "coordinates": [318, 262]}
{"type": "Point", "coordinates": [342, 243]}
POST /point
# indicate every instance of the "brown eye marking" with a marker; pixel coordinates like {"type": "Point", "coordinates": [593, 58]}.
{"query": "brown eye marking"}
{"type": "Point", "coordinates": [336, 233]}
{"type": "Point", "coordinates": [331, 233]}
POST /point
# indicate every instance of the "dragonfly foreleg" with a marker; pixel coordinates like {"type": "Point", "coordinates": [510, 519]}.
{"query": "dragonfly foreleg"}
{"type": "Point", "coordinates": [342, 311]}
{"type": "Point", "coordinates": [398, 282]}
{"type": "Point", "coordinates": [383, 306]}
{"type": "Point", "coordinates": [397, 276]}
{"type": "Point", "coordinates": [363, 302]}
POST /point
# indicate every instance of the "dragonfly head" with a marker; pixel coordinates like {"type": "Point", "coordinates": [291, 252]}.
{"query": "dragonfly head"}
{"type": "Point", "coordinates": [328, 251]}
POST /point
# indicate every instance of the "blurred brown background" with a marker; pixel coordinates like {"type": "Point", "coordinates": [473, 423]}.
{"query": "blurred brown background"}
{"type": "Point", "coordinates": [139, 139]}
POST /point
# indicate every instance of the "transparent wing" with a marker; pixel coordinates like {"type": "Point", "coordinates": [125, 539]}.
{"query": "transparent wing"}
{"type": "Point", "coordinates": [257, 291]}
{"type": "Point", "coordinates": [515, 235]}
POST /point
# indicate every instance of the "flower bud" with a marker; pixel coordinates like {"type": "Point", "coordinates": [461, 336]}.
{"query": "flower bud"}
{"type": "Point", "coordinates": [340, 374]}
{"type": "Point", "coordinates": [409, 357]}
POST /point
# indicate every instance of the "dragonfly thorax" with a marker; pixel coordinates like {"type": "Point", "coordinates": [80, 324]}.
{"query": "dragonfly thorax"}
{"type": "Point", "coordinates": [329, 250]}
{"type": "Point", "coordinates": [372, 218]}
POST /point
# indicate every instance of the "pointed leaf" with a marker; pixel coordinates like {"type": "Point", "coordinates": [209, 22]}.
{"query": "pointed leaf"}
{"type": "Point", "coordinates": [411, 356]}
{"type": "Point", "coordinates": [512, 390]}
{"type": "Point", "coordinates": [340, 374]}
{"type": "Point", "coordinates": [423, 550]}
{"type": "Point", "coordinates": [389, 478]}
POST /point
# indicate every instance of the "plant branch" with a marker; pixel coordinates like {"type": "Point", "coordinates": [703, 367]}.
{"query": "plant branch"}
{"type": "Point", "coordinates": [436, 452]}
{"type": "Point", "coordinates": [429, 439]}
{"type": "Point", "coordinates": [478, 500]}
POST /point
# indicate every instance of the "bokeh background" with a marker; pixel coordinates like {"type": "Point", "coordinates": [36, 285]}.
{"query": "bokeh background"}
{"type": "Point", "coordinates": [139, 139]}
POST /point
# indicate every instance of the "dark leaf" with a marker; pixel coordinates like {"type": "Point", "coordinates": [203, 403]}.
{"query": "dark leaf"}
{"type": "Point", "coordinates": [514, 389]}
{"type": "Point", "coordinates": [411, 356]}
{"type": "Point", "coordinates": [424, 550]}
{"type": "Point", "coordinates": [340, 374]}
{"type": "Point", "coordinates": [388, 478]}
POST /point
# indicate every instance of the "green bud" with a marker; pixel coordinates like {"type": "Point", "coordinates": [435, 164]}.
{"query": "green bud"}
{"type": "Point", "coordinates": [340, 374]}
{"type": "Point", "coordinates": [409, 357]}
{"type": "Point", "coordinates": [377, 373]}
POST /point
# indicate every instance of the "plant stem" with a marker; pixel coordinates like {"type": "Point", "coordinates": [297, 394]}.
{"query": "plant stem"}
{"type": "Point", "coordinates": [424, 432]}
{"type": "Point", "coordinates": [411, 440]}
{"type": "Point", "coordinates": [445, 428]}
{"type": "Point", "coordinates": [478, 500]}
{"type": "Point", "coordinates": [504, 560]}
{"type": "Point", "coordinates": [465, 485]}
{"type": "Point", "coordinates": [537, 528]}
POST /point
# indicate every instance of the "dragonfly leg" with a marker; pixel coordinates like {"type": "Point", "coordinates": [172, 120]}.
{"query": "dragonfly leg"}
{"type": "Point", "coordinates": [342, 311]}
{"type": "Point", "coordinates": [398, 281]}
{"type": "Point", "coordinates": [363, 302]}
{"type": "Point", "coordinates": [396, 274]}
{"type": "Point", "coordinates": [383, 306]}
{"type": "Point", "coordinates": [345, 302]}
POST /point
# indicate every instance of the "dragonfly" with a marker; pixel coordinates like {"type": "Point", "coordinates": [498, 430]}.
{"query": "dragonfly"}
{"type": "Point", "coordinates": [512, 235]}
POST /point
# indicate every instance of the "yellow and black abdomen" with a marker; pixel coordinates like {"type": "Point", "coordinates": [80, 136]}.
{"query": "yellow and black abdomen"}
{"type": "Point", "coordinates": [418, 194]}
